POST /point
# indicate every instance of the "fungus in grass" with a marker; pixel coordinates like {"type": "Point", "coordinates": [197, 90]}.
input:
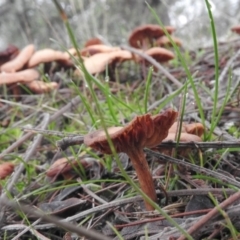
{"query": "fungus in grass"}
{"type": "Point", "coordinates": [143, 131]}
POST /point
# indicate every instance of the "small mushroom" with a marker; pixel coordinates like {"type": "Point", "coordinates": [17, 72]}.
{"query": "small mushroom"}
{"type": "Point", "coordinates": [143, 36]}
{"type": "Point", "coordinates": [27, 75]}
{"type": "Point", "coordinates": [160, 54]}
{"type": "Point", "coordinates": [93, 41]}
{"type": "Point", "coordinates": [143, 131]}
{"type": "Point", "coordinates": [18, 62]}
{"type": "Point", "coordinates": [190, 132]}
{"type": "Point", "coordinates": [236, 29]}
{"type": "Point", "coordinates": [165, 42]}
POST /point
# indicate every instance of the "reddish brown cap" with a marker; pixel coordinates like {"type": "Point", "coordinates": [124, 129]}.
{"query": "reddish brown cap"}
{"type": "Point", "coordinates": [93, 41]}
{"type": "Point", "coordinates": [61, 166]}
{"type": "Point", "coordinates": [160, 54]}
{"type": "Point", "coordinates": [165, 42]}
{"type": "Point", "coordinates": [95, 49]}
{"type": "Point", "coordinates": [143, 131]}
{"type": "Point", "coordinates": [236, 29]}
{"type": "Point", "coordinates": [148, 31]}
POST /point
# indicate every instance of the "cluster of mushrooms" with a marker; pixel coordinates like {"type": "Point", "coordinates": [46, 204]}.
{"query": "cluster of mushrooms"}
{"type": "Point", "coordinates": [20, 66]}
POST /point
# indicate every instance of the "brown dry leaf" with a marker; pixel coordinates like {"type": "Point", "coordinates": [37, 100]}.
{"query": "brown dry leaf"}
{"type": "Point", "coordinates": [27, 75]}
{"type": "Point", "coordinates": [18, 62]}
{"type": "Point", "coordinates": [48, 55]}
{"type": "Point", "coordinates": [6, 169]}
{"type": "Point", "coordinates": [41, 87]}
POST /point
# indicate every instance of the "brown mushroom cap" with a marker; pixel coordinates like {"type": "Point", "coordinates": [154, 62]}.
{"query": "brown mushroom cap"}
{"type": "Point", "coordinates": [236, 29]}
{"type": "Point", "coordinates": [184, 137]}
{"type": "Point", "coordinates": [160, 54]}
{"type": "Point", "coordinates": [18, 62]}
{"type": "Point", "coordinates": [61, 166]}
{"type": "Point", "coordinates": [93, 41]}
{"type": "Point", "coordinates": [47, 55]}
{"type": "Point", "coordinates": [95, 49]}
{"type": "Point", "coordinates": [98, 62]}
{"type": "Point", "coordinates": [192, 128]}
{"type": "Point", "coordinates": [165, 42]}
{"type": "Point", "coordinates": [27, 75]}
{"type": "Point", "coordinates": [143, 131]}
{"type": "Point", "coordinates": [151, 31]}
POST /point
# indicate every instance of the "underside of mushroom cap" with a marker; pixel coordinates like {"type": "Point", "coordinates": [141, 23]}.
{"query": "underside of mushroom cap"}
{"type": "Point", "coordinates": [142, 131]}
{"type": "Point", "coordinates": [150, 31]}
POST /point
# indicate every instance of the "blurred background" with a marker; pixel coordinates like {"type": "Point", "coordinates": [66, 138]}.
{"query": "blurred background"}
{"type": "Point", "coordinates": [38, 21]}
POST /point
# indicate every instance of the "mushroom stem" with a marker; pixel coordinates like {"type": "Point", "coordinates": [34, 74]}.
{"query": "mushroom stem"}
{"type": "Point", "coordinates": [144, 175]}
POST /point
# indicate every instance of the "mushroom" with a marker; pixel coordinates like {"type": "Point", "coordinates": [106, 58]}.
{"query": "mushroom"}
{"type": "Point", "coordinates": [190, 132]}
{"type": "Point", "coordinates": [143, 131]}
{"type": "Point", "coordinates": [144, 35]}
{"type": "Point", "coordinates": [93, 41]}
{"type": "Point", "coordinates": [236, 29]}
{"type": "Point", "coordinates": [18, 62]}
{"type": "Point", "coordinates": [98, 62]}
{"type": "Point", "coordinates": [164, 41]}
{"type": "Point", "coordinates": [48, 55]}
{"type": "Point", "coordinates": [27, 75]}
{"type": "Point", "coordinates": [160, 54]}
{"type": "Point", "coordinates": [94, 49]}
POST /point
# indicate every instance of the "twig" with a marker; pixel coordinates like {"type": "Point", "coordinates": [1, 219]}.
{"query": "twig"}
{"type": "Point", "coordinates": [217, 145]}
{"type": "Point", "coordinates": [119, 202]}
{"type": "Point", "coordinates": [69, 141]}
{"type": "Point", "coordinates": [207, 172]}
{"type": "Point", "coordinates": [214, 212]}
{"type": "Point", "coordinates": [155, 64]}
{"type": "Point", "coordinates": [81, 231]}
{"type": "Point", "coordinates": [49, 132]}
